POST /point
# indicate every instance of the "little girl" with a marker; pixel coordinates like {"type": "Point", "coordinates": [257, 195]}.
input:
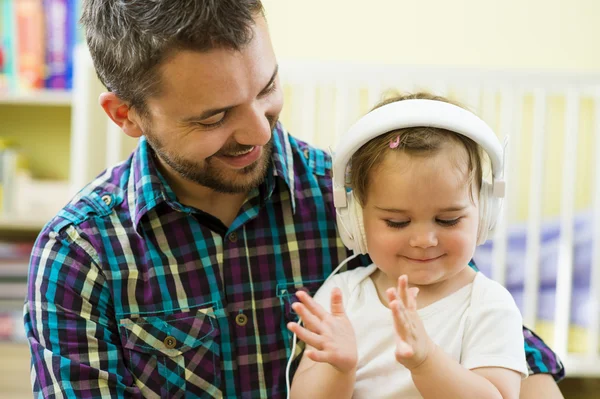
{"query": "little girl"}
{"type": "Point", "coordinates": [418, 322]}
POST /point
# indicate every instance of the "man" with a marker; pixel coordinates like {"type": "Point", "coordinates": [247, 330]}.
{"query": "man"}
{"type": "Point", "coordinates": [172, 274]}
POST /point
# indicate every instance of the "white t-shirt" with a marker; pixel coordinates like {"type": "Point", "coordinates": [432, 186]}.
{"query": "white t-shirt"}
{"type": "Point", "coordinates": [479, 325]}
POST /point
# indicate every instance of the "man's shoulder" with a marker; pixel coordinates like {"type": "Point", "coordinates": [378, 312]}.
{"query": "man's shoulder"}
{"type": "Point", "coordinates": [316, 159]}
{"type": "Point", "coordinates": [96, 199]}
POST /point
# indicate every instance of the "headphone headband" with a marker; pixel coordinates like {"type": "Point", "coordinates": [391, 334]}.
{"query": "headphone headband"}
{"type": "Point", "coordinates": [416, 113]}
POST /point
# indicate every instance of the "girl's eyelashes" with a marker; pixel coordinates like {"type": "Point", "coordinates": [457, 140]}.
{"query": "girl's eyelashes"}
{"type": "Point", "coordinates": [396, 225]}
{"type": "Point", "coordinates": [448, 222]}
{"type": "Point", "coordinates": [441, 222]}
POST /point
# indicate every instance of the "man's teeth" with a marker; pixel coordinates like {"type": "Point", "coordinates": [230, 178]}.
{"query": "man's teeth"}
{"type": "Point", "coordinates": [237, 154]}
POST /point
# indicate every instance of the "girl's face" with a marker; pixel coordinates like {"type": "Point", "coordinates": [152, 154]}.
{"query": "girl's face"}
{"type": "Point", "coordinates": [419, 216]}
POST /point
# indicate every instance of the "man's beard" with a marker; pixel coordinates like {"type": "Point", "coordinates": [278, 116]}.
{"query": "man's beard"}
{"type": "Point", "coordinates": [221, 180]}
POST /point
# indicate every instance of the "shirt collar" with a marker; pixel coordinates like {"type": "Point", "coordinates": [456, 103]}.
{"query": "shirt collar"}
{"type": "Point", "coordinates": [147, 188]}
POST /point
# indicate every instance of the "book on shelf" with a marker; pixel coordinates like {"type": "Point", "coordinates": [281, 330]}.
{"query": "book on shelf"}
{"type": "Point", "coordinates": [37, 39]}
{"type": "Point", "coordinates": [30, 44]}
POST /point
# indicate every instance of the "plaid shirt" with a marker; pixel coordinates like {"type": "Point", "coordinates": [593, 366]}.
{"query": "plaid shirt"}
{"type": "Point", "coordinates": [130, 295]}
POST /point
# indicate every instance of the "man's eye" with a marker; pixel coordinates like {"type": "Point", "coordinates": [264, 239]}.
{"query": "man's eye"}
{"type": "Point", "coordinates": [269, 89]}
{"type": "Point", "coordinates": [213, 120]}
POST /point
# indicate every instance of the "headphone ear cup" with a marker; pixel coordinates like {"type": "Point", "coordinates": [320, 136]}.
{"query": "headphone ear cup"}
{"type": "Point", "coordinates": [484, 217]}
{"type": "Point", "coordinates": [351, 225]}
{"type": "Point", "coordinates": [489, 210]}
{"type": "Point", "coordinates": [358, 226]}
{"type": "Point", "coordinates": [344, 225]}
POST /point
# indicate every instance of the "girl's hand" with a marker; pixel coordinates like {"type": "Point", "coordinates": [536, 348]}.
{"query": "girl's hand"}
{"type": "Point", "coordinates": [330, 335]}
{"type": "Point", "coordinates": [413, 344]}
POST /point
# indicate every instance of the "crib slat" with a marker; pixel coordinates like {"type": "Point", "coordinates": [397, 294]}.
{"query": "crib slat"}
{"type": "Point", "coordinates": [488, 109]}
{"type": "Point", "coordinates": [499, 250]}
{"type": "Point", "coordinates": [534, 222]}
{"type": "Point", "coordinates": [326, 108]}
{"type": "Point", "coordinates": [472, 99]}
{"type": "Point", "coordinates": [296, 122]}
{"type": "Point", "coordinates": [514, 198]}
{"type": "Point", "coordinates": [595, 278]}
{"type": "Point", "coordinates": [564, 278]}
{"type": "Point", "coordinates": [343, 113]}
{"type": "Point", "coordinates": [306, 124]}
{"type": "Point", "coordinates": [374, 93]}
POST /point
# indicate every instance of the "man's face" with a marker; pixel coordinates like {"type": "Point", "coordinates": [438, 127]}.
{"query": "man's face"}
{"type": "Point", "coordinates": [213, 119]}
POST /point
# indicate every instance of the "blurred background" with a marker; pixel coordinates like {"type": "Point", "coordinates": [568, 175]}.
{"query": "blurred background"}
{"type": "Point", "coordinates": [530, 68]}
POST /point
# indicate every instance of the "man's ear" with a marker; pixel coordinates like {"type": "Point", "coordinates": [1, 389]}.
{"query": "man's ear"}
{"type": "Point", "coordinates": [121, 114]}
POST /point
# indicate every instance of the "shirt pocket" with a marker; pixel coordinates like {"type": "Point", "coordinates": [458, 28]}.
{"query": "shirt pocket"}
{"type": "Point", "coordinates": [286, 293]}
{"type": "Point", "coordinates": [174, 355]}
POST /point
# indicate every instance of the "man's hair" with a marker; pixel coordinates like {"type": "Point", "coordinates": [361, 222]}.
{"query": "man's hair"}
{"type": "Point", "coordinates": [415, 141]}
{"type": "Point", "coordinates": [130, 39]}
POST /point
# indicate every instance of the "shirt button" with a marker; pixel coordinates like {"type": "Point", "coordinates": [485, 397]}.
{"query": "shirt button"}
{"type": "Point", "coordinates": [241, 319]}
{"type": "Point", "coordinates": [233, 237]}
{"type": "Point", "coordinates": [306, 153]}
{"type": "Point", "coordinates": [107, 199]}
{"type": "Point", "coordinates": [170, 342]}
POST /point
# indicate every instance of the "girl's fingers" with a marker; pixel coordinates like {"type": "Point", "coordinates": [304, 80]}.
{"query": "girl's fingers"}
{"type": "Point", "coordinates": [309, 337]}
{"type": "Point", "coordinates": [317, 356]}
{"type": "Point", "coordinates": [311, 305]}
{"type": "Point", "coordinates": [337, 305]}
{"type": "Point", "coordinates": [398, 317]}
{"type": "Point", "coordinates": [403, 289]}
{"type": "Point", "coordinates": [309, 320]}
{"type": "Point", "coordinates": [391, 295]}
{"type": "Point", "coordinates": [412, 298]}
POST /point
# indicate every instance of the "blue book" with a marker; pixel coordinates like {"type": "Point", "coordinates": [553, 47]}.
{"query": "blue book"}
{"type": "Point", "coordinates": [73, 13]}
{"type": "Point", "coordinates": [9, 40]}
{"type": "Point", "coordinates": [57, 25]}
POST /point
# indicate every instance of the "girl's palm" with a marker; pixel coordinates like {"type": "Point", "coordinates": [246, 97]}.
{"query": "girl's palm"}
{"type": "Point", "coordinates": [330, 335]}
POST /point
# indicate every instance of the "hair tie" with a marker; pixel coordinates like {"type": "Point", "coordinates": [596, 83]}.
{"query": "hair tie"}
{"type": "Point", "coordinates": [394, 143]}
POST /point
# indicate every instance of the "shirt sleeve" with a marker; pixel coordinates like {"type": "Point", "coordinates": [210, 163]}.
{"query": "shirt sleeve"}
{"type": "Point", "coordinates": [70, 323]}
{"type": "Point", "coordinates": [540, 358]}
{"type": "Point", "coordinates": [493, 335]}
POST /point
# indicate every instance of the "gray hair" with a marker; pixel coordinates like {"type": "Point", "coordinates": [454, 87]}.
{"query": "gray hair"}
{"type": "Point", "coordinates": [130, 39]}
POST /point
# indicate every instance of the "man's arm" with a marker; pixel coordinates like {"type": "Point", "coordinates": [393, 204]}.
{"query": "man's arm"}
{"type": "Point", "coordinates": [69, 319]}
{"type": "Point", "coordinates": [545, 369]}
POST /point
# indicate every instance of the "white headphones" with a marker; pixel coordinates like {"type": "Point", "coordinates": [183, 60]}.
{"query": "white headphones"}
{"type": "Point", "coordinates": [405, 114]}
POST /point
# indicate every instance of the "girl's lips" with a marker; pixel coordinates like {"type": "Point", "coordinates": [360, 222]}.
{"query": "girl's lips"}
{"type": "Point", "coordinates": [423, 260]}
{"type": "Point", "coordinates": [242, 161]}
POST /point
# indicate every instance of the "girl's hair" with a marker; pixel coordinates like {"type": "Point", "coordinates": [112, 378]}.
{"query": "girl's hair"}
{"type": "Point", "coordinates": [416, 141]}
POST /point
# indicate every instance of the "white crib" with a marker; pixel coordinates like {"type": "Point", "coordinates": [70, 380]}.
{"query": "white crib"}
{"type": "Point", "coordinates": [535, 109]}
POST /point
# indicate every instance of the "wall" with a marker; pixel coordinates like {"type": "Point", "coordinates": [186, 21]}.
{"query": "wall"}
{"type": "Point", "coordinates": [550, 36]}
{"type": "Point", "coordinates": [531, 34]}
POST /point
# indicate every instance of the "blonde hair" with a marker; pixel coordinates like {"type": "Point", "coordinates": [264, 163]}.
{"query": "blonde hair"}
{"type": "Point", "coordinates": [418, 141]}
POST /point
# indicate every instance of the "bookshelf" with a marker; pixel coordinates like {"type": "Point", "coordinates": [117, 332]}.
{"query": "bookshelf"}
{"type": "Point", "coordinates": [36, 105]}
{"type": "Point", "coordinates": [58, 98]}
{"type": "Point", "coordinates": [21, 225]}
{"type": "Point", "coordinates": [37, 38]}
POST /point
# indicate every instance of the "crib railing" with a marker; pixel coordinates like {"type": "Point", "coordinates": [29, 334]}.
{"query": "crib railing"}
{"type": "Point", "coordinates": [324, 99]}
